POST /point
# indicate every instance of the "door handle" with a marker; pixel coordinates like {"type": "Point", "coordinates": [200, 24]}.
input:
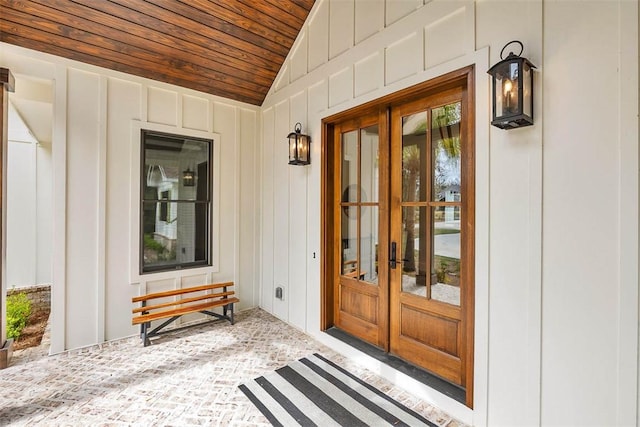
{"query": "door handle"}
{"type": "Point", "coordinates": [392, 259]}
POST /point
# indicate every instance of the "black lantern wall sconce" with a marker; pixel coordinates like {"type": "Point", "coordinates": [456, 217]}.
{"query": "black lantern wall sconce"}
{"type": "Point", "coordinates": [188, 178]}
{"type": "Point", "coordinates": [512, 90]}
{"type": "Point", "coordinates": [299, 149]}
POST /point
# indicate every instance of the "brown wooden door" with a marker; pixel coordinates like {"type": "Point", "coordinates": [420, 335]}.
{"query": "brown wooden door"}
{"type": "Point", "coordinates": [429, 225]}
{"type": "Point", "coordinates": [360, 239]}
{"type": "Point", "coordinates": [398, 225]}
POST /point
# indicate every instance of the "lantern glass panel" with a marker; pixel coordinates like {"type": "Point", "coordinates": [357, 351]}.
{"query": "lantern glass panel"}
{"type": "Point", "coordinates": [303, 148]}
{"type": "Point", "coordinates": [292, 147]}
{"type": "Point", "coordinates": [527, 78]}
{"type": "Point", "coordinates": [510, 90]}
{"type": "Point", "coordinates": [507, 90]}
{"type": "Point", "coordinates": [497, 87]}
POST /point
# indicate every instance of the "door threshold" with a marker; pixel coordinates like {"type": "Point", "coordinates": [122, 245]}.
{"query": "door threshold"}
{"type": "Point", "coordinates": [445, 387]}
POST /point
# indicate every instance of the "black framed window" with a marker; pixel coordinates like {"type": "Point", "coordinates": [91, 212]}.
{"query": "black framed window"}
{"type": "Point", "coordinates": [175, 202]}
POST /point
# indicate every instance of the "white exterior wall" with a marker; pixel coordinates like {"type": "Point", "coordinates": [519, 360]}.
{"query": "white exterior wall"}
{"type": "Point", "coordinates": [556, 203]}
{"type": "Point", "coordinates": [44, 221]}
{"type": "Point", "coordinates": [590, 214]}
{"type": "Point", "coordinates": [21, 215]}
{"type": "Point", "coordinates": [28, 205]}
{"type": "Point", "coordinates": [95, 149]}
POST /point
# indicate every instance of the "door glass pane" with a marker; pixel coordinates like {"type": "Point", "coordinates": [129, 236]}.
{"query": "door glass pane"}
{"type": "Point", "coordinates": [415, 225]}
{"type": "Point", "coordinates": [360, 151]}
{"type": "Point", "coordinates": [369, 164]}
{"type": "Point", "coordinates": [349, 166]}
{"type": "Point", "coordinates": [445, 123]}
{"type": "Point", "coordinates": [414, 157]}
{"type": "Point", "coordinates": [445, 267]}
{"type": "Point", "coordinates": [349, 241]}
{"type": "Point", "coordinates": [369, 244]}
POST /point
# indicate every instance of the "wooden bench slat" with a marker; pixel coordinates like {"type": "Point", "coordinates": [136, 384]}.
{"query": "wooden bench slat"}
{"type": "Point", "coordinates": [175, 292]}
{"type": "Point", "coordinates": [182, 301]}
{"type": "Point", "coordinates": [184, 310]}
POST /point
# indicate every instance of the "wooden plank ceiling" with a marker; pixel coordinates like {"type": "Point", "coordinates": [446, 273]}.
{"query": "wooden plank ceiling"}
{"type": "Point", "coordinates": [230, 48]}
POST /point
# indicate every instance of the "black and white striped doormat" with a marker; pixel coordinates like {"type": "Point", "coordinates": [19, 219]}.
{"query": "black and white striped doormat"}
{"type": "Point", "coordinates": [315, 391]}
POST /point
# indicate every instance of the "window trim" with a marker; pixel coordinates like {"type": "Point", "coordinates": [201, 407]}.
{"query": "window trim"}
{"type": "Point", "coordinates": [135, 176]}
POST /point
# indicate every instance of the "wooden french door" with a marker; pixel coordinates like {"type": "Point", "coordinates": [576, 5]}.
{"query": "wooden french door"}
{"type": "Point", "coordinates": [399, 232]}
{"type": "Point", "coordinates": [361, 228]}
{"type": "Point", "coordinates": [431, 233]}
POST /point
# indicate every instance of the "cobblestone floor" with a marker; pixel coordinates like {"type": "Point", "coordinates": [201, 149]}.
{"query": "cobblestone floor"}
{"type": "Point", "coordinates": [31, 354]}
{"type": "Point", "coordinates": [182, 379]}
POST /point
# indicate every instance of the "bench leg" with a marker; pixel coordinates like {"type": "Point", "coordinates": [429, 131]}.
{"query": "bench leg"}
{"type": "Point", "coordinates": [231, 313]}
{"type": "Point", "coordinates": [145, 338]}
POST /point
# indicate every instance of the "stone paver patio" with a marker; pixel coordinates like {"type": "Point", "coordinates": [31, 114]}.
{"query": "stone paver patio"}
{"type": "Point", "coordinates": [190, 377]}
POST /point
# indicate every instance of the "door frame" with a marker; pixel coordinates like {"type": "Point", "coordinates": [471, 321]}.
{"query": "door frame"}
{"type": "Point", "coordinates": [327, 220]}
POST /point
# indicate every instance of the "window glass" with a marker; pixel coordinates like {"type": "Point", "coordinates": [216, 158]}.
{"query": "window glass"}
{"type": "Point", "coordinates": [176, 202]}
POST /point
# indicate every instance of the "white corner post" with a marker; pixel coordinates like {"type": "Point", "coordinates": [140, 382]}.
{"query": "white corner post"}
{"type": "Point", "coordinates": [6, 85]}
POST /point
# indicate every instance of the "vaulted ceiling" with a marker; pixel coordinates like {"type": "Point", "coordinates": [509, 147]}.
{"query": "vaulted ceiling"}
{"type": "Point", "coordinates": [230, 48]}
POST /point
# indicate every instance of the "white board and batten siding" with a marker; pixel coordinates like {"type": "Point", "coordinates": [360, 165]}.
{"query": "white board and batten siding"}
{"type": "Point", "coordinates": [556, 203]}
{"type": "Point", "coordinates": [96, 154]}
{"type": "Point", "coordinates": [556, 327]}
